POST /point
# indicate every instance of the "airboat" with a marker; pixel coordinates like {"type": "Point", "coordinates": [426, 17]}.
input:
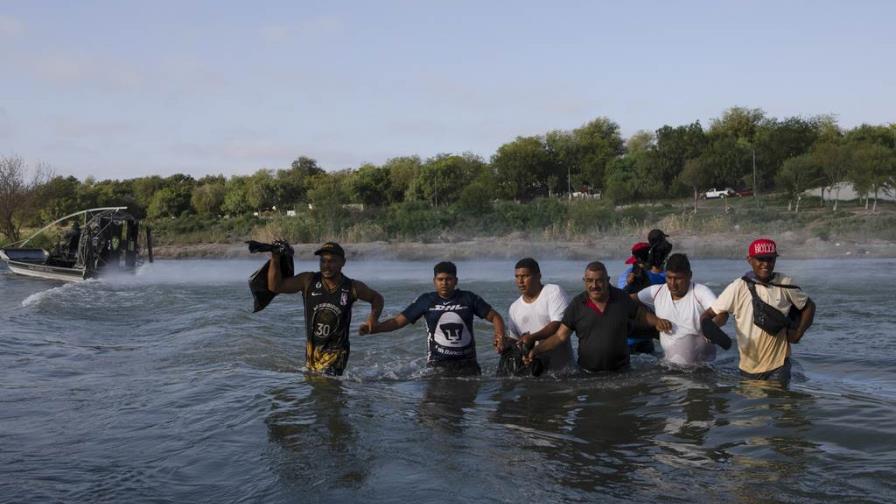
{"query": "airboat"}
{"type": "Point", "coordinates": [108, 241]}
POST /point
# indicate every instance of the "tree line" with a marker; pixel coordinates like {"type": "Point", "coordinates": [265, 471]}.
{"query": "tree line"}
{"type": "Point", "coordinates": [743, 148]}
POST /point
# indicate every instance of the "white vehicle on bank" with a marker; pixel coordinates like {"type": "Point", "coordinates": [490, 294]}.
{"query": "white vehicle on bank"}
{"type": "Point", "coordinates": [719, 193]}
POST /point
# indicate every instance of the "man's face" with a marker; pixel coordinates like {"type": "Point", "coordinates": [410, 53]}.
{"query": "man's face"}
{"type": "Point", "coordinates": [678, 283]}
{"type": "Point", "coordinates": [331, 265]}
{"type": "Point", "coordinates": [527, 281]}
{"type": "Point", "coordinates": [597, 285]}
{"type": "Point", "coordinates": [445, 283]}
{"type": "Point", "coordinates": [763, 267]}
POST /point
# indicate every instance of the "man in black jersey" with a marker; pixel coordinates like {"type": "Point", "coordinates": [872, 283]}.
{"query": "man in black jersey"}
{"type": "Point", "coordinates": [449, 315]}
{"type": "Point", "coordinates": [328, 296]}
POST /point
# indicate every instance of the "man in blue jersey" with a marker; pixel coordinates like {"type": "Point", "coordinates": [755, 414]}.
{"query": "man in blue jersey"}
{"type": "Point", "coordinates": [449, 314]}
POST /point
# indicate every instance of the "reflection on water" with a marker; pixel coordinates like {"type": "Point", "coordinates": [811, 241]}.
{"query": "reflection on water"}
{"type": "Point", "coordinates": [311, 427]}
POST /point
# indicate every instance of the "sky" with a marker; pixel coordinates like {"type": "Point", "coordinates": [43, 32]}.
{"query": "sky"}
{"type": "Point", "coordinates": [123, 89]}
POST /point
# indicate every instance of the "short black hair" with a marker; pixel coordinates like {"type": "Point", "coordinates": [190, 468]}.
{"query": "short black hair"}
{"type": "Point", "coordinates": [445, 267]}
{"type": "Point", "coordinates": [596, 266]}
{"type": "Point", "coordinates": [678, 263]}
{"type": "Point", "coordinates": [528, 263]}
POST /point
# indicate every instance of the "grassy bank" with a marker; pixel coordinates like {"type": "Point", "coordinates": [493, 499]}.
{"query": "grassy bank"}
{"type": "Point", "coordinates": [542, 220]}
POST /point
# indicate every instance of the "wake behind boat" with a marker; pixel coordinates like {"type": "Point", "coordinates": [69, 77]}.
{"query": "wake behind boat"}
{"type": "Point", "coordinates": [108, 241]}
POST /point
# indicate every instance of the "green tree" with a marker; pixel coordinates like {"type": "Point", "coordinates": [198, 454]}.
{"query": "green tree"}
{"type": "Point", "coordinates": [522, 168]}
{"type": "Point", "coordinates": [443, 177]}
{"type": "Point", "coordinates": [873, 164]}
{"type": "Point", "coordinates": [371, 185]}
{"type": "Point", "coordinates": [674, 146]}
{"type": "Point", "coordinates": [235, 199]}
{"type": "Point", "coordinates": [208, 199]}
{"type": "Point", "coordinates": [698, 174]}
{"type": "Point", "coordinates": [260, 191]}
{"type": "Point", "coordinates": [776, 141]}
{"type": "Point", "coordinates": [565, 155]}
{"type": "Point", "coordinates": [403, 175]}
{"type": "Point", "coordinates": [796, 175]}
{"type": "Point", "coordinates": [622, 183]}
{"type": "Point", "coordinates": [165, 203]}
{"type": "Point", "coordinates": [835, 160]}
{"type": "Point", "coordinates": [599, 143]}
{"type": "Point", "coordinates": [57, 197]}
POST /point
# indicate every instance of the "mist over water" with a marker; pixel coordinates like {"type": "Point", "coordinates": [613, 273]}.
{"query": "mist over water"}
{"type": "Point", "coordinates": [165, 387]}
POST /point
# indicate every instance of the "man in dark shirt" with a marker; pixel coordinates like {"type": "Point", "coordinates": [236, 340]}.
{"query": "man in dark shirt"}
{"type": "Point", "coordinates": [449, 315]}
{"type": "Point", "coordinates": [600, 317]}
{"type": "Point", "coordinates": [328, 298]}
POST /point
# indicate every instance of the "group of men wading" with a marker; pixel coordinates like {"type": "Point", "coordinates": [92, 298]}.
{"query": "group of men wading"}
{"type": "Point", "coordinates": [654, 296]}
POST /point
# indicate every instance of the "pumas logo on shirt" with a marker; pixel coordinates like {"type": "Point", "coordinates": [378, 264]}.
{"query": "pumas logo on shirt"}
{"type": "Point", "coordinates": [452, 332]}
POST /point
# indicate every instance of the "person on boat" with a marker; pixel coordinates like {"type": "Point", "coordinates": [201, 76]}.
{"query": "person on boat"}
{"type": "Point", "coordinates": [328, 298]}
{"type": "Point", "coordinates": [761, 302]}
{"type": "Point", "coordinates": [600, 316]}
{"type": "Point", "coordinates": [642, 275]}
{"type": "Point", "coordinates": [449, 313]}
{"type": "Point", "coordinates": [682, 302]}
{"type": "Point", "coordinates": [536, 314]}
{"type": "Point", "coordinates": [72, 239]}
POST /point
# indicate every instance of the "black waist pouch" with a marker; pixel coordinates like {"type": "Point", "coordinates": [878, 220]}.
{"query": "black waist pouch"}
{"type": "Point", "coordinates": [766, 316]}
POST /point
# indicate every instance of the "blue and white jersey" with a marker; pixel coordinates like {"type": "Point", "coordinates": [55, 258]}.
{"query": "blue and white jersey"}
{"type": "Point", "coordinates": [449, 323]}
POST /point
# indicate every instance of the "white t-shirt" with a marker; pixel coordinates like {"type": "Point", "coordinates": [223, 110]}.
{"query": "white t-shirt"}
{"type": "Point", "coordinates": [685, 345]}
{"type": "Point", "coordinates": [532, 317]}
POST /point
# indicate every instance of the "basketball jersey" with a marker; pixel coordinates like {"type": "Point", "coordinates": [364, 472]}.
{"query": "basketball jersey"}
{"type": "Point", "coordinates": [328, 316]}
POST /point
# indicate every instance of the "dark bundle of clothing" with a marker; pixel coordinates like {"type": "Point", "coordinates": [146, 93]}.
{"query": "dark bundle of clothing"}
{"type": "Point", "coordinates": [258, 281]}
{"type": "Point", "coordinates": [511, 363]}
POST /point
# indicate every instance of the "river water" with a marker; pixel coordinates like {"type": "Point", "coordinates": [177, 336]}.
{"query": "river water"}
{"type": "Point", "coordinates": [164, 387]}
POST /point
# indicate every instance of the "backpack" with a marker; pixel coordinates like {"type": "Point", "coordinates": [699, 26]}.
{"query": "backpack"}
{"type": "Point", "coordinates": [766, 316]}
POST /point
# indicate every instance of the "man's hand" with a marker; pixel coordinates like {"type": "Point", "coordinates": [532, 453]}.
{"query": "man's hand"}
{"type": "Point", "coordinates": [525, 340]}
{"type": "Point", "coordinates": [529, 357]}
{"type": "Point", "coordinates": [630, 279]}
{"type": "Point", "coordinates": [366, 328]}
{"type": "Point", "coordinates": [499, 341]}
{"type": "Point", "coordinates": [793, 336]}
{"type": "Point", "coordinates": [663, 325]}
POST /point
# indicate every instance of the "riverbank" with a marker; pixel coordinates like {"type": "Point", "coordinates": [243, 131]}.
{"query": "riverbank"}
{"type": "Point", "coordinates": [792, 245]}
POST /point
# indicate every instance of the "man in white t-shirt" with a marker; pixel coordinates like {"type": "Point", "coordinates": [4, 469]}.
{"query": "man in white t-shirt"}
{"type": "Point", "coordinates": [682, 302]}
{"type": "Point", "coordinates": [537, 313]}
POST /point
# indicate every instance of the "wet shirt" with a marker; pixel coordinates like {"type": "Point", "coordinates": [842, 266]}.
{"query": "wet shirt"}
{"type": "Point", "coordinates": [602, 336]}
{"type": "Point", "coordinates": [532, 317]}
{"type": "Point", "coordinates": [760, 351]}
{"type": "Point", "coordinates": [449, 323]}
{"type": "Point", "coordinates": [685, 345]}
{"type": "Point", "coordinates": [328, 316]}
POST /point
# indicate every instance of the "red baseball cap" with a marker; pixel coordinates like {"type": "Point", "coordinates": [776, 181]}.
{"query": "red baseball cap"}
{"type": "Point", "coordinates": [763, 248]}
{"type": "Point", "coordinates": [639, 251]}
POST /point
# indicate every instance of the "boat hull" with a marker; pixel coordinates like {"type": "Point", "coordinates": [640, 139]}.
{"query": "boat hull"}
{"type": "Point", "coordinates": [46, 272]}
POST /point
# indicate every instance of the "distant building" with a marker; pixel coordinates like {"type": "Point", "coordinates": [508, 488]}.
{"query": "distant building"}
{"type": "Point", "coordinates": [844, 191]}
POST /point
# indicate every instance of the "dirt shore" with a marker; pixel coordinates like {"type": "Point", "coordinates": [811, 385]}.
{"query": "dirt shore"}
{"type": "Point", "coordinates": [720, 245]}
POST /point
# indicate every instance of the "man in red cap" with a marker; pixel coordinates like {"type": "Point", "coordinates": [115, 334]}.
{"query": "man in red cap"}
{"type": "Point", "coordinates": [761, 302]}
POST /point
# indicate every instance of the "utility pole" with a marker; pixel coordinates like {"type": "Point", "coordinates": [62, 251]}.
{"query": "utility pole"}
{"type": "Point", "coordinates": [755, 187]}
{"type": "Point", "coordinates": [568, 182]}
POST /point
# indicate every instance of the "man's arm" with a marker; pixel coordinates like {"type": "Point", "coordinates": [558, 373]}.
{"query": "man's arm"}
{"type": "Point", "coordinates": [496, 320]}
{"type": "Point", "coordinates": [719, 318]}
{"type": "Point", "coordinates": [365, 293]}
{"type": "Point", "coordinates": [544, 333]}
{"type": "Point", "coordinates": [280, 285]}
{"type": "Point", "coordinates": [807, 316]}
{"type": "Point", "coordinates": [644, 318]}
{"type": "Point", "coordinates": [557, 339]}
{"type": "Point", "coordinates": [394, 323]}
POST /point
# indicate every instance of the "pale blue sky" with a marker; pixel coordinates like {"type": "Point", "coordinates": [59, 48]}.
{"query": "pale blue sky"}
{"type": "Point", "coordinates": [120, 89]}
